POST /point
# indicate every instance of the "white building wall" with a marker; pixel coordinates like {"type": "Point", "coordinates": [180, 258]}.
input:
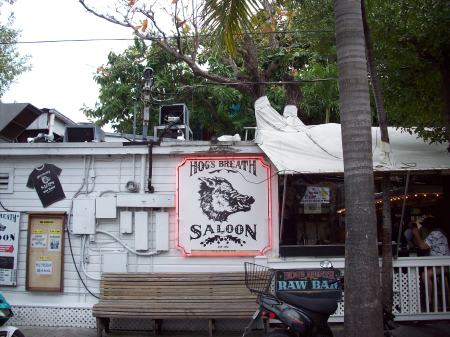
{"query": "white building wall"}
{"type": "Point", "coordinates": [107, 168]}
{"type": "Point", "coordinates": [106, 175]}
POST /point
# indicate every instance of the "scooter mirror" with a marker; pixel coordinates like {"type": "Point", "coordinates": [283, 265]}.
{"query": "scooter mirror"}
{"type": "Point", "coordinates": [326, 264]}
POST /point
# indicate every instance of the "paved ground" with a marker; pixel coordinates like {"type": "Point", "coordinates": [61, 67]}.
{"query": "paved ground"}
{"type": "Point", "coordinates": [436, 329]}
{"type": "Point", "coordinates": [440, 329]}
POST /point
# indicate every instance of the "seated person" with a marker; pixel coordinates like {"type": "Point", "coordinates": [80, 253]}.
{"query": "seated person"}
{"type": "Point", "coordinates": [436, 243]}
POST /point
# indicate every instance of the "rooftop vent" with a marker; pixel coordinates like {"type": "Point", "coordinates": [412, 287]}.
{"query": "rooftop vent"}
{"type": "Point", "coordinates": [175, 112]}
{"type": "Point", "coordinates": [85, 132]}
{"type": "Point", "coordinates": [174, 122]}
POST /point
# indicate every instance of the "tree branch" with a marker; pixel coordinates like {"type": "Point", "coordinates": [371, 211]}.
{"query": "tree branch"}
{"type": "Point", "coordinates": [196, 33]}
{"type": "Point", "coordinates": [273, 41]}
{"type": "Point", "coordinates": [274, 44]}
{"type": "Point", "coordinates": [238, 74]}
{"type": "Point", "coordinates": [254, 90]}
{"type": "Point", "coordinates": [251, 62]}
{"type": "Point", "coordinates": [107, 18]}
{"type": "Point", "coordinates": [271, 68]}
{"type": "Point", "coordinates": [293, 93]}
{"type": "Point", "coordinates": [149, 14]}
{"type": "Point", "coordinates": [177, 27]}
{"type": "Point", "coordinates": [250, 57]}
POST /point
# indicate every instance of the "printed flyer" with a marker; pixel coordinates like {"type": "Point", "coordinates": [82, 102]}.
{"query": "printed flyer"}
{"type": "Point", "coordinates": [38, 239]}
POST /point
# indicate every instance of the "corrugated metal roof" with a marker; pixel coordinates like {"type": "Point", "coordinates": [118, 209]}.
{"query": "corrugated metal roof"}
{"type": "Point", "coordinates": [15, 118]}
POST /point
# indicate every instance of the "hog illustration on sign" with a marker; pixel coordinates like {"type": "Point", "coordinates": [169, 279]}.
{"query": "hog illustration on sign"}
{"type": "Point", "coordinates": [219, 199]}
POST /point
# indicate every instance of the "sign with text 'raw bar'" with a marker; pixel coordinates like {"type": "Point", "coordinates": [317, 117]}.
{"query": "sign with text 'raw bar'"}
{"type": "Point", "coordinates": [312, 282]}
{"type": "Point", "coordinates": [223, 206]}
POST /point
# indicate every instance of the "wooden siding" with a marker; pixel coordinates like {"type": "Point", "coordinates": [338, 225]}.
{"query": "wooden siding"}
{"type": "Point", "coordinates": [111, 173]}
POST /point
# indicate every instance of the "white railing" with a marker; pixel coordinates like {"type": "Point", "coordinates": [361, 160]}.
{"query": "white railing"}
{"type": "Point", "coordinates": [421, 288]}
{"type": "Point", "coordinates": [415, 297]}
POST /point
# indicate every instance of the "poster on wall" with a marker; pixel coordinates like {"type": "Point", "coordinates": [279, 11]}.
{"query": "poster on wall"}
{"type": "Point", "coordinates": [224, 206]}
{"type": "Point", "coordinates": [45, 252]}
{"type": "Point", "coordinates": [9, 247]}
{"type": "Point", "coordinates": [316, 195]}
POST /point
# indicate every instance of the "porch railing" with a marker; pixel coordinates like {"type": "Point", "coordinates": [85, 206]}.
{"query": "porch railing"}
{"type": "Point", "coordinates": [420, 285]}
{"type": "Point", "coordinates": [420, 289]}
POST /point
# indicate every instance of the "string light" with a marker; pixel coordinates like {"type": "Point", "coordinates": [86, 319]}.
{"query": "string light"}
{"type": "Point", "coordinates": [398, 198]}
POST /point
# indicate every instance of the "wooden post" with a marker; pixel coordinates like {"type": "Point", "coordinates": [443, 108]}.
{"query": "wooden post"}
{"type": "Point", "coordinates": [106, 322]}
{"type": "Point", "coordinates": [100, 326]}
{"type": "Point", "coordinates": [157, 326]}
{"type": "Point", "coordinates": [211, 327]}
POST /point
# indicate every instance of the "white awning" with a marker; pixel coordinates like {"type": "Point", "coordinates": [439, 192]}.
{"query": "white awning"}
{"type": "Point", "coordinates": [295, 148]}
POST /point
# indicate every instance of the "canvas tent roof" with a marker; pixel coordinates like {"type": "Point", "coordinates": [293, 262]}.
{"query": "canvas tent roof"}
{"type": "Point", "coordinates": [296, 148]}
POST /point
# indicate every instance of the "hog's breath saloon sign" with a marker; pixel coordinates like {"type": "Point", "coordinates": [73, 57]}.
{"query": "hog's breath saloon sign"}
{"type": "Point", "coordinates": [223, 206]}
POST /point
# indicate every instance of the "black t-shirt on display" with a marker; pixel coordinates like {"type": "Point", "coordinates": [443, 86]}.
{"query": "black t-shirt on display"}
{"type": "Point", "coordinates": [46, 182]}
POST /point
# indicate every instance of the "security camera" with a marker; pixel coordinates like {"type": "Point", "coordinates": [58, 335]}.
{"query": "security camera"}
{"type": "Point", "coordinates": [148, 73]}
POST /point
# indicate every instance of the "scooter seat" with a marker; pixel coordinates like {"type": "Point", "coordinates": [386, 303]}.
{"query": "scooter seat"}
{"type": "Point", "coordinates": [325, 306]}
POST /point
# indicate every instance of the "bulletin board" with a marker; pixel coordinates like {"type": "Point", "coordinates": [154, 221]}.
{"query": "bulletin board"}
{"type": "Point", "coordinates": [45, 253]}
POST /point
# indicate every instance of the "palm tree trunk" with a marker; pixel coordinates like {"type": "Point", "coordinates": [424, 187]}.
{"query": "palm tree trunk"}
{"type": "Point", "coordinates": [386, 251]}
{"type": "Point", "coordinates": [362, 301]}
{"type": "Point", "coordinates": [376, 85]}
{"type": "Point", "coordinates": [444, 68]}
{"type": "Point", "coordinates": [386, 235]}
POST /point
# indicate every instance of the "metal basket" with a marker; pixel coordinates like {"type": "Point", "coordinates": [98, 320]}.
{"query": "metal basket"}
{"type": "Point", "coordinates": [258, 278]}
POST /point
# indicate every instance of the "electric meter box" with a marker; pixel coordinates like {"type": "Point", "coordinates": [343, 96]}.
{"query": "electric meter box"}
{"type": "Point", "coordinates": [162, 231]}
{"type": "Point", "coordinates": [126, 222]}
{"type": "Point", "coordinates": [105, 208]}
{"type": "Point", "coordinates": [83, 219]}
{"type": "Point", "coordinates": [140, 230]}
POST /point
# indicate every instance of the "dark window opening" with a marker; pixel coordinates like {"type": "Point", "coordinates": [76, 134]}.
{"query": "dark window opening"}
{"type": "Point", "coordinates": [314, 212]}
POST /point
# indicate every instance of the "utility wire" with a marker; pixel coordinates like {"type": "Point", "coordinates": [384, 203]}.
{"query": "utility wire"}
{"type": "Point", "coordinates": [75, 265]}
{"type": "Point", "coordinates": [211, 83]}
{"type": "Point", "coordinates": [6, 209]}
{"type": "Point", "coordinates": [156, 38]}
{"type": "Point", "coordinates": [258, 82]}
{"type": "Point", "coordinates": [68, 40]}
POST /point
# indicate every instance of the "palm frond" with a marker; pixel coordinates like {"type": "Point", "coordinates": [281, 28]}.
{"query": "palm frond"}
{"type": "Point", "coordinates": [228, 19]}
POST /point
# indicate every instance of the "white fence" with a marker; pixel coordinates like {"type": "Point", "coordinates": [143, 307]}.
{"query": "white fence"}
{"type": "Point", "coordinates": [417, 297]}
{"type": "Point", "coordinates": [421, 288]}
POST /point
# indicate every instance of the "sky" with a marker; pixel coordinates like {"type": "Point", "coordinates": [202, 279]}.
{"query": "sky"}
{"type": "Point", "coordinates": [61, 77]}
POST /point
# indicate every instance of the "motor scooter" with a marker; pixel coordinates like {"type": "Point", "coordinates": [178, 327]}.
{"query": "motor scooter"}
{"type": "Point", "coordinates": [5, 314]}
{"type": "Point", "coordinates": [299, 316]}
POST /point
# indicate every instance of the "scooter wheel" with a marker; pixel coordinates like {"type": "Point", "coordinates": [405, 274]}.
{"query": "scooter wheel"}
{"type": "Point", "coordinates": [18, 333]}
{"type": "Point", "coordinates": [279, 333]}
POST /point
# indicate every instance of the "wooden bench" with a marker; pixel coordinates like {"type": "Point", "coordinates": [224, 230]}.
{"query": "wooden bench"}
{"type": "Point", "coordinates": [160, 296]}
